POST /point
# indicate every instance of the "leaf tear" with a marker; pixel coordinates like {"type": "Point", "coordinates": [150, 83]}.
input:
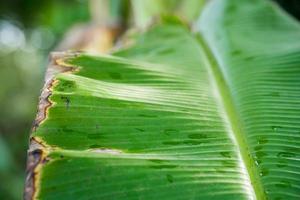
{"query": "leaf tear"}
{"type": "Point", "coordinates": [107, 151]}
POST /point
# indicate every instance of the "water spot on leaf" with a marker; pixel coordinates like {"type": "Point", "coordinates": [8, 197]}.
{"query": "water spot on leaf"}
{"type": "Point", "coordinates": [169, 131]}
{"type": "Point", "coordinates": [249, 58]}
{"type": "Point", "coordinates": [163, 166]}
{"type": "Point", "coordinates": [275, 94]}
{"type": "Point", "coordinates": [285, 154]}
{"type": "Point", "coordinates": [170, 178]}
{"type": "Point", "coordinates": [283, 184]}
{"type": "Point", "coordinates": [266, 191]}
{"type": "Point", "coordinates": [262, 140]}
{"type": "Point", "coordinates": [172, 143]}
{"type": "Point", "coordinates": [147, 115]}
{"type": "Point", "coordinates": [260, 154]}
{"type": "Point", "coordinates": [140, 129]}
{"type": "Point", "coordinates": [276, 128]}
{"type": "Point", "coordinates": [228, 163]}
{"type": "Point", "coordinates": [94, 135]}
{"type": "Point", "coordinates": [66, 130]}
{"type": "Point", "coordinates": [264, 172]}
{"type": "Point", "coordinates": [95, 146]}
{"type": "Point", "coordinates": [156, 160]}
{"type": "Point", "coordinates": [67, 101]}
{"type": "Point", "coordinates": [191, 142]}
{"type": "Point", "coordinates": [197, 136]}
{"type": "Point", "coordinates": [115, 75]}
{"type": "Point", "coordinates": [258, 147]}
{"type": "Point", "coordinates": [65, 86]}
{"type": "Point", "coordinates": [281, 163]}
{"type": "Point", "coordinates": [225, 154]}
{"type": "Point", "coordinates": [236, 52]}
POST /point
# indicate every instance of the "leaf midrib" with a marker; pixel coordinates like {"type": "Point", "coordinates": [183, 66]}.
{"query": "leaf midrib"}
{"type": "Point", "coordinates": [226, 103]}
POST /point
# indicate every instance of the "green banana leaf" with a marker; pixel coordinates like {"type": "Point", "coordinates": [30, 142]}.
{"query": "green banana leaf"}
{"type": "Point", "coordinates": [208, 112]}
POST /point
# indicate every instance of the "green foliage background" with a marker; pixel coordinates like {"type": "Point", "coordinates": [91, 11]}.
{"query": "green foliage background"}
{"type": "Point", "coordinates": [39, 25]}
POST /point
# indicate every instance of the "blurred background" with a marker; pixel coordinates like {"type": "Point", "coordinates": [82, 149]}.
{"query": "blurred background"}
{"type": "Point", "coordinates": [29, 30]}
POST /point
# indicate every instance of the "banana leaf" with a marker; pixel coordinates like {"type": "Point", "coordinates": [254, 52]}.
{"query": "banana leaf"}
{"type": "Point", "coordinates": [210, 111]}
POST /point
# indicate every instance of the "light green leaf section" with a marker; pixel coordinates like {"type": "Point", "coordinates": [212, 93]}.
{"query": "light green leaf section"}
{"type": "Point", "coordinates": [141, 130]}
{"type": "Point", "coordinates": [144, 12]}
{"type": "Point", "coordinates": [258, 54]}
{"type": "Point", "coordinates": [179, 115]}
